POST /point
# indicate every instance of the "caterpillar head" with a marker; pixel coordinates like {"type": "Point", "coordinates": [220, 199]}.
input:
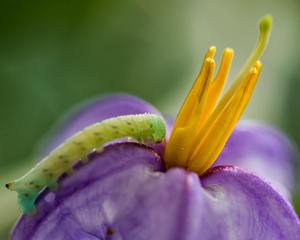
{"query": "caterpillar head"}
{"type": "Point", "coordinates": [26, 196]}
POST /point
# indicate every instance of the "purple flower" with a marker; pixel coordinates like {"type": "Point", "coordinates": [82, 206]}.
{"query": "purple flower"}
{"type": "Point", "coordinates": [186, 188]}
{"type": "Point", "coordinates": [125, 192]}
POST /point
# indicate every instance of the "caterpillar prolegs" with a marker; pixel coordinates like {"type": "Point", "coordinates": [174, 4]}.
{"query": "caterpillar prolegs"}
{"type": "Point", "coordinates": [142, 127]}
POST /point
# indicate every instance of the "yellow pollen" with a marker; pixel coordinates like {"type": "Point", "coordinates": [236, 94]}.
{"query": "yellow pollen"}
{"type": "Point", "coordinates": [204, 123]}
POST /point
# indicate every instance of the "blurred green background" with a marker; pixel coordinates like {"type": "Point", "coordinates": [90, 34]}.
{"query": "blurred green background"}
{"type": "Point", "coordinates": [55, 54]}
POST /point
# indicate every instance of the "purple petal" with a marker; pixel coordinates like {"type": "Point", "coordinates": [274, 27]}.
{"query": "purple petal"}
{"type": "Point", "coordinates": [85, 201]}
{"type": "Point", "coordinates": [242, 206]}
{"type": "Point", "coordinates": [98, 110]}
{"type": "Point", "coordinates": [262, 150]}
{"type": "Point", "coordinates": [123, 194]}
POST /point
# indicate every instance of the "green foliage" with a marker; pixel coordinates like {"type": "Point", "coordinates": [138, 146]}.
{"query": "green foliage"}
{"type": "Point", "coordinates": [55, 54]}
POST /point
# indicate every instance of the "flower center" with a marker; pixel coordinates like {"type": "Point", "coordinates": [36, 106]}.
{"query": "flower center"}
{"type": "Point", "coordinates": [204, 124]}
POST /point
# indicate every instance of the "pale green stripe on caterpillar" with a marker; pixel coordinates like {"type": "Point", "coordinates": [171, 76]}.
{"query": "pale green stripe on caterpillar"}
{"type": "Point", "coordinates": [142, 127]}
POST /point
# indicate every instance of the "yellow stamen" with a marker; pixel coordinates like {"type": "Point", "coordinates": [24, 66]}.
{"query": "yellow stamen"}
{"type": "Point", "coordinates": [219, 82]}
{"type": "Point", "coordinates": [190, 115]}
{"type": "Point", "coordinates": [193, 96]}
{"type": "Point", "coordinates": [218, 128]}
{"type": "Point", "coordinates": [201, 128]}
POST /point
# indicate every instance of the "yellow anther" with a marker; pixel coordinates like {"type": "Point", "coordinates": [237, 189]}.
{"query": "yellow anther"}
{"type": "Point", "coordinates": [219, 82]}
{"type": "Point", "coordinates": [189, 116]}
{"type": "Point", "coordinates": [211, 52]}
{"type": "Point", "coordinates": [210, 142]}
{"type": "Point", "coordinates": [202, 126]}
{"type": "Point", "coordinates": [193, 98]}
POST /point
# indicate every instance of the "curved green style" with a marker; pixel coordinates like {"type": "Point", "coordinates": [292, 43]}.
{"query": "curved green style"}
{"type": "Point", "coordinates": [142, 127]}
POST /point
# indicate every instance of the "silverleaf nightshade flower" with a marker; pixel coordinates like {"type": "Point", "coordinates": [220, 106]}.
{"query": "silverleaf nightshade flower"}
{"type": "Point", "coordinates": [171, 191]}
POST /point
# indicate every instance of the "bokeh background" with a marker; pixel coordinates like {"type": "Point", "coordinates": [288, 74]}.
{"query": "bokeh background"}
{"type": "Point", "coordinates": [56, 54]}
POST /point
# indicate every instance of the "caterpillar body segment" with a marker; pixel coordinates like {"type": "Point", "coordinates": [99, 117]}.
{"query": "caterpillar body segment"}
{"type": "Point", "coordinates": [142, 127]}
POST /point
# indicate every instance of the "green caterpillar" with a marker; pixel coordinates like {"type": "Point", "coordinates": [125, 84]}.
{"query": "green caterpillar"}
{"type": "Point", "coordinates": [142, 127]}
